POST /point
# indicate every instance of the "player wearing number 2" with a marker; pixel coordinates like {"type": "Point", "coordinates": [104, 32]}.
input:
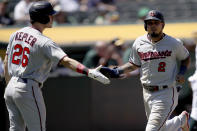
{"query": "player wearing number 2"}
{"type": "Point", "coordinates": [28, 60]}
{"type": "Point", "coordinates": [156, 54]}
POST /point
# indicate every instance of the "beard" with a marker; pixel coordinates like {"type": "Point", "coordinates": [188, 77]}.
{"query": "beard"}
{"type": "Point", "coordinates": [155, 35]}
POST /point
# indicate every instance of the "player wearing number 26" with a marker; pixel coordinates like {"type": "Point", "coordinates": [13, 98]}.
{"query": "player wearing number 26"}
{"type": "Point", "coordinates": [29, 58]}
{"type": "Point", "coordinates": [156, 54]}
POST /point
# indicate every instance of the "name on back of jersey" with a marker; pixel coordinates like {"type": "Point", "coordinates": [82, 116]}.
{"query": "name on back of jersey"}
{"type": "Point", "coordinates": [28, 39]}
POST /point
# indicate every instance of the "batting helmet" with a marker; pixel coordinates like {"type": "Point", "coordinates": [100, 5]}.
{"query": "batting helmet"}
{"type": "Point", "coordinates": [153, 15]}
{"type": "Point", "coordinates": [40, 11]}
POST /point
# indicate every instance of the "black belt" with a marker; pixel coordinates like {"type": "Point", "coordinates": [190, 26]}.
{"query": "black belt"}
{"type": "Point", "coordinates": [154, 88]}
{"type": "Point", "coordinates": [25, 81]}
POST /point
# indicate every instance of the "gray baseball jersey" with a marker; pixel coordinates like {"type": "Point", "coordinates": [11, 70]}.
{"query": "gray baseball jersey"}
{"type": "Point", "coordinates": [30, 58]}
{"type": "Point", "coordinates": [31, 54]}
{"type": "Point", "coordinates": [158, 64]}
{"type": "Point", "coordinates": [193, 81]}
{"type": "Point", "coordinates": [157, 61]}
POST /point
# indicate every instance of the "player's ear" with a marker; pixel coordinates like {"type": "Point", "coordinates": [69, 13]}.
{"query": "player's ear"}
{"type": "Point", "coordinates": [163, 25]}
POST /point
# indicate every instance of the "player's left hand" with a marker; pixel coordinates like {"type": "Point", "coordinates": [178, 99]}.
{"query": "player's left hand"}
{"type": "Point", "coordinates": [180, 79]}
{"type": "Point", "coordinates": [97, 75]}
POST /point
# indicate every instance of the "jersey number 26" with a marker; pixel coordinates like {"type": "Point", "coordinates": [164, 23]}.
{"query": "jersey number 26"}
{"type": "Point", "coordinates": [19, 50]}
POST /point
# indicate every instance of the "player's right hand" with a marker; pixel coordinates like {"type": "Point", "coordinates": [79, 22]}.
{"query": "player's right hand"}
{"type": "Point", "coordinates": [97, 75]}
{"type": "Point", "coordinates": [108, 72]}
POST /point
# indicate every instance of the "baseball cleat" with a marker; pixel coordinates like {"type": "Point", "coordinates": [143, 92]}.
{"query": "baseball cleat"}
{"type": "Point", "coordinates": [184, 121]}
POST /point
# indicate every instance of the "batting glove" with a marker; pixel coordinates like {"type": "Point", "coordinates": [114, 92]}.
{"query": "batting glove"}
{"type": "Point", "coordinates": [97, 75]}
{"type": "Point", "coordinates": [112, 73]}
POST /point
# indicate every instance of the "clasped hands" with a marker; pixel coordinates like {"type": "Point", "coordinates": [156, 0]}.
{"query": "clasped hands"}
{"type": "Point", "coordinates": [102, 74]}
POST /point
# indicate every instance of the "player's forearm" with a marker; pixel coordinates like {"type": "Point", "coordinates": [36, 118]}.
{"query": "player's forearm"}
{"type": "Point", "coordinates": [80, 68]}
{"type": "Point", "coordinates": [184, 65]}
{"type": "Point", "coordinates": [74, 65]}
{"type": "Point", "coordinates": [118, 71]}
{"type": "Point", "coordinates": [128, 67]}
{"type": "Point", "coordinates": [6, 74]}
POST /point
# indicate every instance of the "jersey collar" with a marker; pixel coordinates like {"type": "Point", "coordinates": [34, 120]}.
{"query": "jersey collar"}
{"type": "Point", "coordinates": [148, 38]}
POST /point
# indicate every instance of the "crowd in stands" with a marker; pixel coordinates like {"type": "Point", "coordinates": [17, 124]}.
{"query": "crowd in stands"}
{"type": "Point", "coordinates": [68, 12]}
{"type": "Point", "coordinates": [15, 12]}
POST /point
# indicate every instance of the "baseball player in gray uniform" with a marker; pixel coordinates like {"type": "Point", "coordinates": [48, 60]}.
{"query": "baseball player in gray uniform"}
{"type": "Point", "coordinates": [156, 54]}
{"type": "Point", "coordinates": [193, 119]}
{"type": "Point", "coordinates": [28, 60]}
{"type": "Point", "coordinates": [193, 83]}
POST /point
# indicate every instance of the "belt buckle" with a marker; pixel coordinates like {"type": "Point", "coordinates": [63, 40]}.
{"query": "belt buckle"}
{"type": "Point", "coordinates": [154, 88]}
{"type": "Point", "coordinates": [161, 87]}
{"type": "Point", "coordinates": [151, 88]}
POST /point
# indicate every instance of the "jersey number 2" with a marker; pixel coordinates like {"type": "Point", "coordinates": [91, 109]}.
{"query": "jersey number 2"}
{"type": "Point", "coordinates": [161, 67]}
{"type": "Point", "coordinates": [20, 51]}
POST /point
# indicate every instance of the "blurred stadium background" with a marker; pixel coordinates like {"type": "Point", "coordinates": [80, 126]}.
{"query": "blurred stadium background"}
{"type": "Point", "coordinates": [76, 103]}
